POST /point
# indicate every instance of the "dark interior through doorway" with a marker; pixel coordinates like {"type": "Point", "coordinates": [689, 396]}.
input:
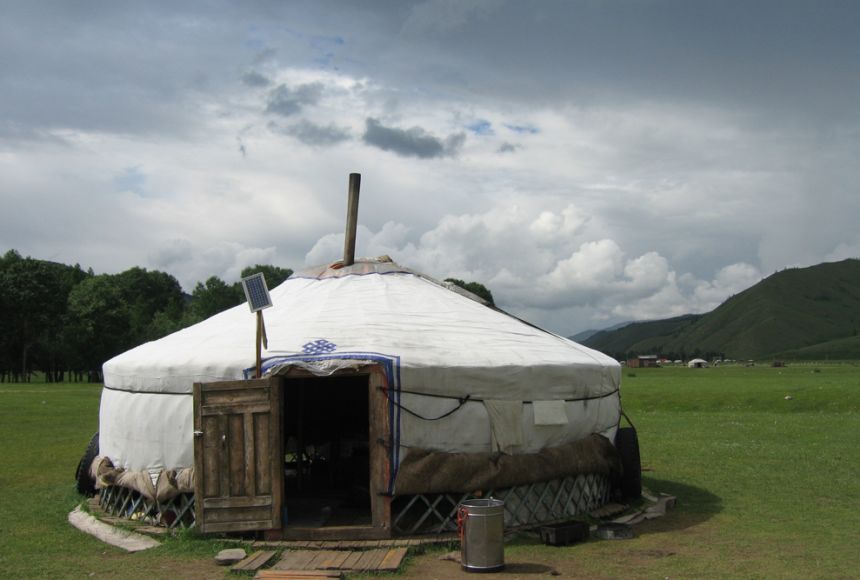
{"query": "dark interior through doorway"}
{"type": "Point", "coordinates": [326, 451]}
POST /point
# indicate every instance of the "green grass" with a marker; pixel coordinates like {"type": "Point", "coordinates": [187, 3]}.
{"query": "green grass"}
{"type": "Point", "coordinates": [766, 487]}
{"type": "Point", "coordinates": [44, 429]}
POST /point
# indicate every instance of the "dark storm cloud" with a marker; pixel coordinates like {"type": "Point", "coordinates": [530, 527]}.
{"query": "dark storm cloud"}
{"type": "Point", "coordinates": [523, 129]}
{"type": "Point", "coordinates": [412, 142]}
{"type": "Point", "coordinates": [254, 79]}
{"type": "Point", "coordinates": [774, 57]}
{"type": "Point", "coordinates": [313, 134]}
{"type": "Point", "coordinates": [285, 101]}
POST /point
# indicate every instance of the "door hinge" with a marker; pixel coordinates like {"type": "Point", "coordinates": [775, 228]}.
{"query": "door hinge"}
{"type": "Point", "coordinates": [198, 433]}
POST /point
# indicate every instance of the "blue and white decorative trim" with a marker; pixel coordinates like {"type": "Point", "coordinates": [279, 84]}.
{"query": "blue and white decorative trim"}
{"type": "Point", "coordinates": [391, 367]}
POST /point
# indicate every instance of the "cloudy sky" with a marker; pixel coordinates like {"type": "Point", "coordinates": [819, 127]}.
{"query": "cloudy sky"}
{"type": "Point", "coordinates": [589, 161]}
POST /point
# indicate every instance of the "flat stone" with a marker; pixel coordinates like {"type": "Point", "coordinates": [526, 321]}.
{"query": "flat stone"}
{"type": "Point", "coordinates": [128, 541]}
{"type": "Point", "coordinates": [614, 531]}
{"type": "Point", "coordinates": [230, 556]}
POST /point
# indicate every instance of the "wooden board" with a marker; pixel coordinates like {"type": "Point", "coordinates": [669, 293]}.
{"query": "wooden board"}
{"type": "Point", "coordinates": [298, 574]}
{"type": "Point", "coordinates": [391, 561]}
{"type": "Point", "coordinates": [444, 539]}
{"type": "Point", "coordinates": [379, 560]}
{"type": "Point", "coordinates": [295, 560]}
{"type": "Point", "coordinates": [253, 562]}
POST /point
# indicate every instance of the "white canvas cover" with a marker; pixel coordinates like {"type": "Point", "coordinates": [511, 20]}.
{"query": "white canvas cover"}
{"type": "Point", "coordinates": [438, 347]}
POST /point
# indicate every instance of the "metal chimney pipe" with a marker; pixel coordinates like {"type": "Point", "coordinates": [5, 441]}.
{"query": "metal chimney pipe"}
{"type": "Point", "coordinates": [351, 219]}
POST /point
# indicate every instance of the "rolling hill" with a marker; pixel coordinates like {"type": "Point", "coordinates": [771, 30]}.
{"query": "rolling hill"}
{"type": "Point", "coordinates": [809, 312]}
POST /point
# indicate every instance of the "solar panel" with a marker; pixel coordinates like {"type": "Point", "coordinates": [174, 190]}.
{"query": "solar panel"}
{"type": "Point", "coordinates": [256, 292]}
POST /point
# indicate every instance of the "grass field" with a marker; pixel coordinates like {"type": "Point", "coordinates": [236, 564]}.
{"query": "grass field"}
{"type": "Point", "coordinates": [767, 487]}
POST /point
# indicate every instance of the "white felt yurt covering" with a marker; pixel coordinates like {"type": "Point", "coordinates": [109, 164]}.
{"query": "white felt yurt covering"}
{"type": "Point", "coordinates": [528, 389]}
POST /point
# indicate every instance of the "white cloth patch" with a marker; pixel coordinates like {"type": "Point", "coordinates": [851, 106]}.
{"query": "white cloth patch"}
{"type": "Point", "coordinates": [506, 424]}
{"type": "Point", "coordinates": [549, 413]}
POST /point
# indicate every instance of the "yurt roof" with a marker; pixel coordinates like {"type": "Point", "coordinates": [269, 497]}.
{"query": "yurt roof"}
{"type": "Point", "coordinates": [446, 340]}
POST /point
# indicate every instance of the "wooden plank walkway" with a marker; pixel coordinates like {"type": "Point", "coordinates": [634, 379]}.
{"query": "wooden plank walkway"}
{"type": "Point", "coordinates": [298, 574]}
{"type": "Point", "coordinates": [356, 544]}
{"type": "Point", "coordinates": [377, 560]}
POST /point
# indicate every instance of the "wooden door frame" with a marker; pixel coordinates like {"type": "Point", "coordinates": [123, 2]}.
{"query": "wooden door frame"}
{"type": "Point", "coordinates": [380, 472]}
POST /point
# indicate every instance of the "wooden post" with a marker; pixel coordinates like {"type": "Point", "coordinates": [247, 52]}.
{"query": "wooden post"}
{"type": "Point", "coordinates": [351, 219]}
{"type": "Point", "coordinates": [259, 343]}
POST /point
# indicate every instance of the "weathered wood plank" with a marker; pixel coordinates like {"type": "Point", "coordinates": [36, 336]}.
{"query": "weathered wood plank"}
{"type": "Point", "coordinates": [237, 502]}
{"type": "Point", "coordinates": [262, 457]}
{"type": "Point", "coordinates": [403, 542]}
{"type": "Point", "coordinates": [370, 560]}
{"type": "Point", "coordinates": [337, 533]}
{"type": "Point", "coordinates": [236, 453]}
{"type": "Point", "coordinates": [222, 452]}
{"type": "Point", "coordinates": [249, 463]}
{"type": "Point", "coordinates": [298, 574]}
{"type": "Point", "coordinates": [297, 560]}
{"type": "Point", "coordinates": [378, 416]}
{"type": "Point", "coordinates": [253, 562]}
{"type": "Point", "coordinates": [376, 559]}
{"type": "Point", "coordinates": [351, 560]}
{"type": "Point", "coordinates": [272, 479]}
{"type": "Point", "coordinates": [207, 454]}
{"type": "Point", "coordinates": [336, 561]}
{"type": "Point", "coordinates": [391, 561]}
{"type": "Point", "coordinates": [234, 526]}
{"type": "Point", "coordinates": [235, 409]}
{"type": "Point", "coordinates": [237, 384]}
{"type": "Point", "coordinates": [242, 514]}
{"type": "Point", "coordinates": [321, 560]}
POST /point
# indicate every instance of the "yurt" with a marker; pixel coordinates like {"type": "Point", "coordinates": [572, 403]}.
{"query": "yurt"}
{"type": "Point", "coordinates": [385, 399]}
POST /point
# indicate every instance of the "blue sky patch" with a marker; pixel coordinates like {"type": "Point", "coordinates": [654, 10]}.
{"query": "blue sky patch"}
{"type": "Point", "coordinates": [481, 127]}
{"type": "Point", "coordinates": [131, 179]}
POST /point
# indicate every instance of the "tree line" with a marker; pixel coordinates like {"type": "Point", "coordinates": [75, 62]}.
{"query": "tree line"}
{"type": "Point", "coordinates": [66, 322]}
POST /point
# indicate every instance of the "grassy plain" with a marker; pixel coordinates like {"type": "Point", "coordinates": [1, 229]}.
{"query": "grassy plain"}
{"type": "Point", "coordinates": [44, 429]}
{"type": "Point", "coordinates": [766, 487]}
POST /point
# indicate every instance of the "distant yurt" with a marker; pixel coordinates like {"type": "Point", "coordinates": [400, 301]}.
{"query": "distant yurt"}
{"type": "Point", "coordinates": [385, 399]}
{"type": "Point", "coordinates": [698, 363]}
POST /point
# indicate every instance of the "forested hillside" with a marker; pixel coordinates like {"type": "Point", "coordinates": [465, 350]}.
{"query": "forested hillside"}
{"type": "Point", "coordinates": [809, 312]}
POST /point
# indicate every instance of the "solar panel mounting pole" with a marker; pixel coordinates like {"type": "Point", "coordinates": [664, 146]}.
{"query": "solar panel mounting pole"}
{"type": "Point", "coordinates": [259, 344]}
{"type": "Point", "coordinates": [351, 219]}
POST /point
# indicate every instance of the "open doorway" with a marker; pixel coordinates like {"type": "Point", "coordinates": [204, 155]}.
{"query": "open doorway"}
{"type": "Point", "coordinates": [326, 451]}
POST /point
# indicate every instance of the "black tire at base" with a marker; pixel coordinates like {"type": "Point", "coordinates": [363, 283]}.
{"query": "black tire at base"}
{"type": "Point", "coordinates": [627, 444]}
{"type": "Point", "coordinates": [84, 482]}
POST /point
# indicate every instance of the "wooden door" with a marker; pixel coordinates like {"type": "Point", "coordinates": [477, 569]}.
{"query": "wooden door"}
{"type": "Point", "coordinates": [238, 457]}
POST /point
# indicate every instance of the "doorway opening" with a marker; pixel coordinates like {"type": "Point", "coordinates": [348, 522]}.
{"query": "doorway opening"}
{"type": "Point", "coordinates": [326, 451]}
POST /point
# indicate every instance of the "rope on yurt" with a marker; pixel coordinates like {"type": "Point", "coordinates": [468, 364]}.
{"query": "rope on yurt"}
{"type": "Point", "coordinates": [462, 401]}
{"type": "Point", "coordinates": [623, 414]}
